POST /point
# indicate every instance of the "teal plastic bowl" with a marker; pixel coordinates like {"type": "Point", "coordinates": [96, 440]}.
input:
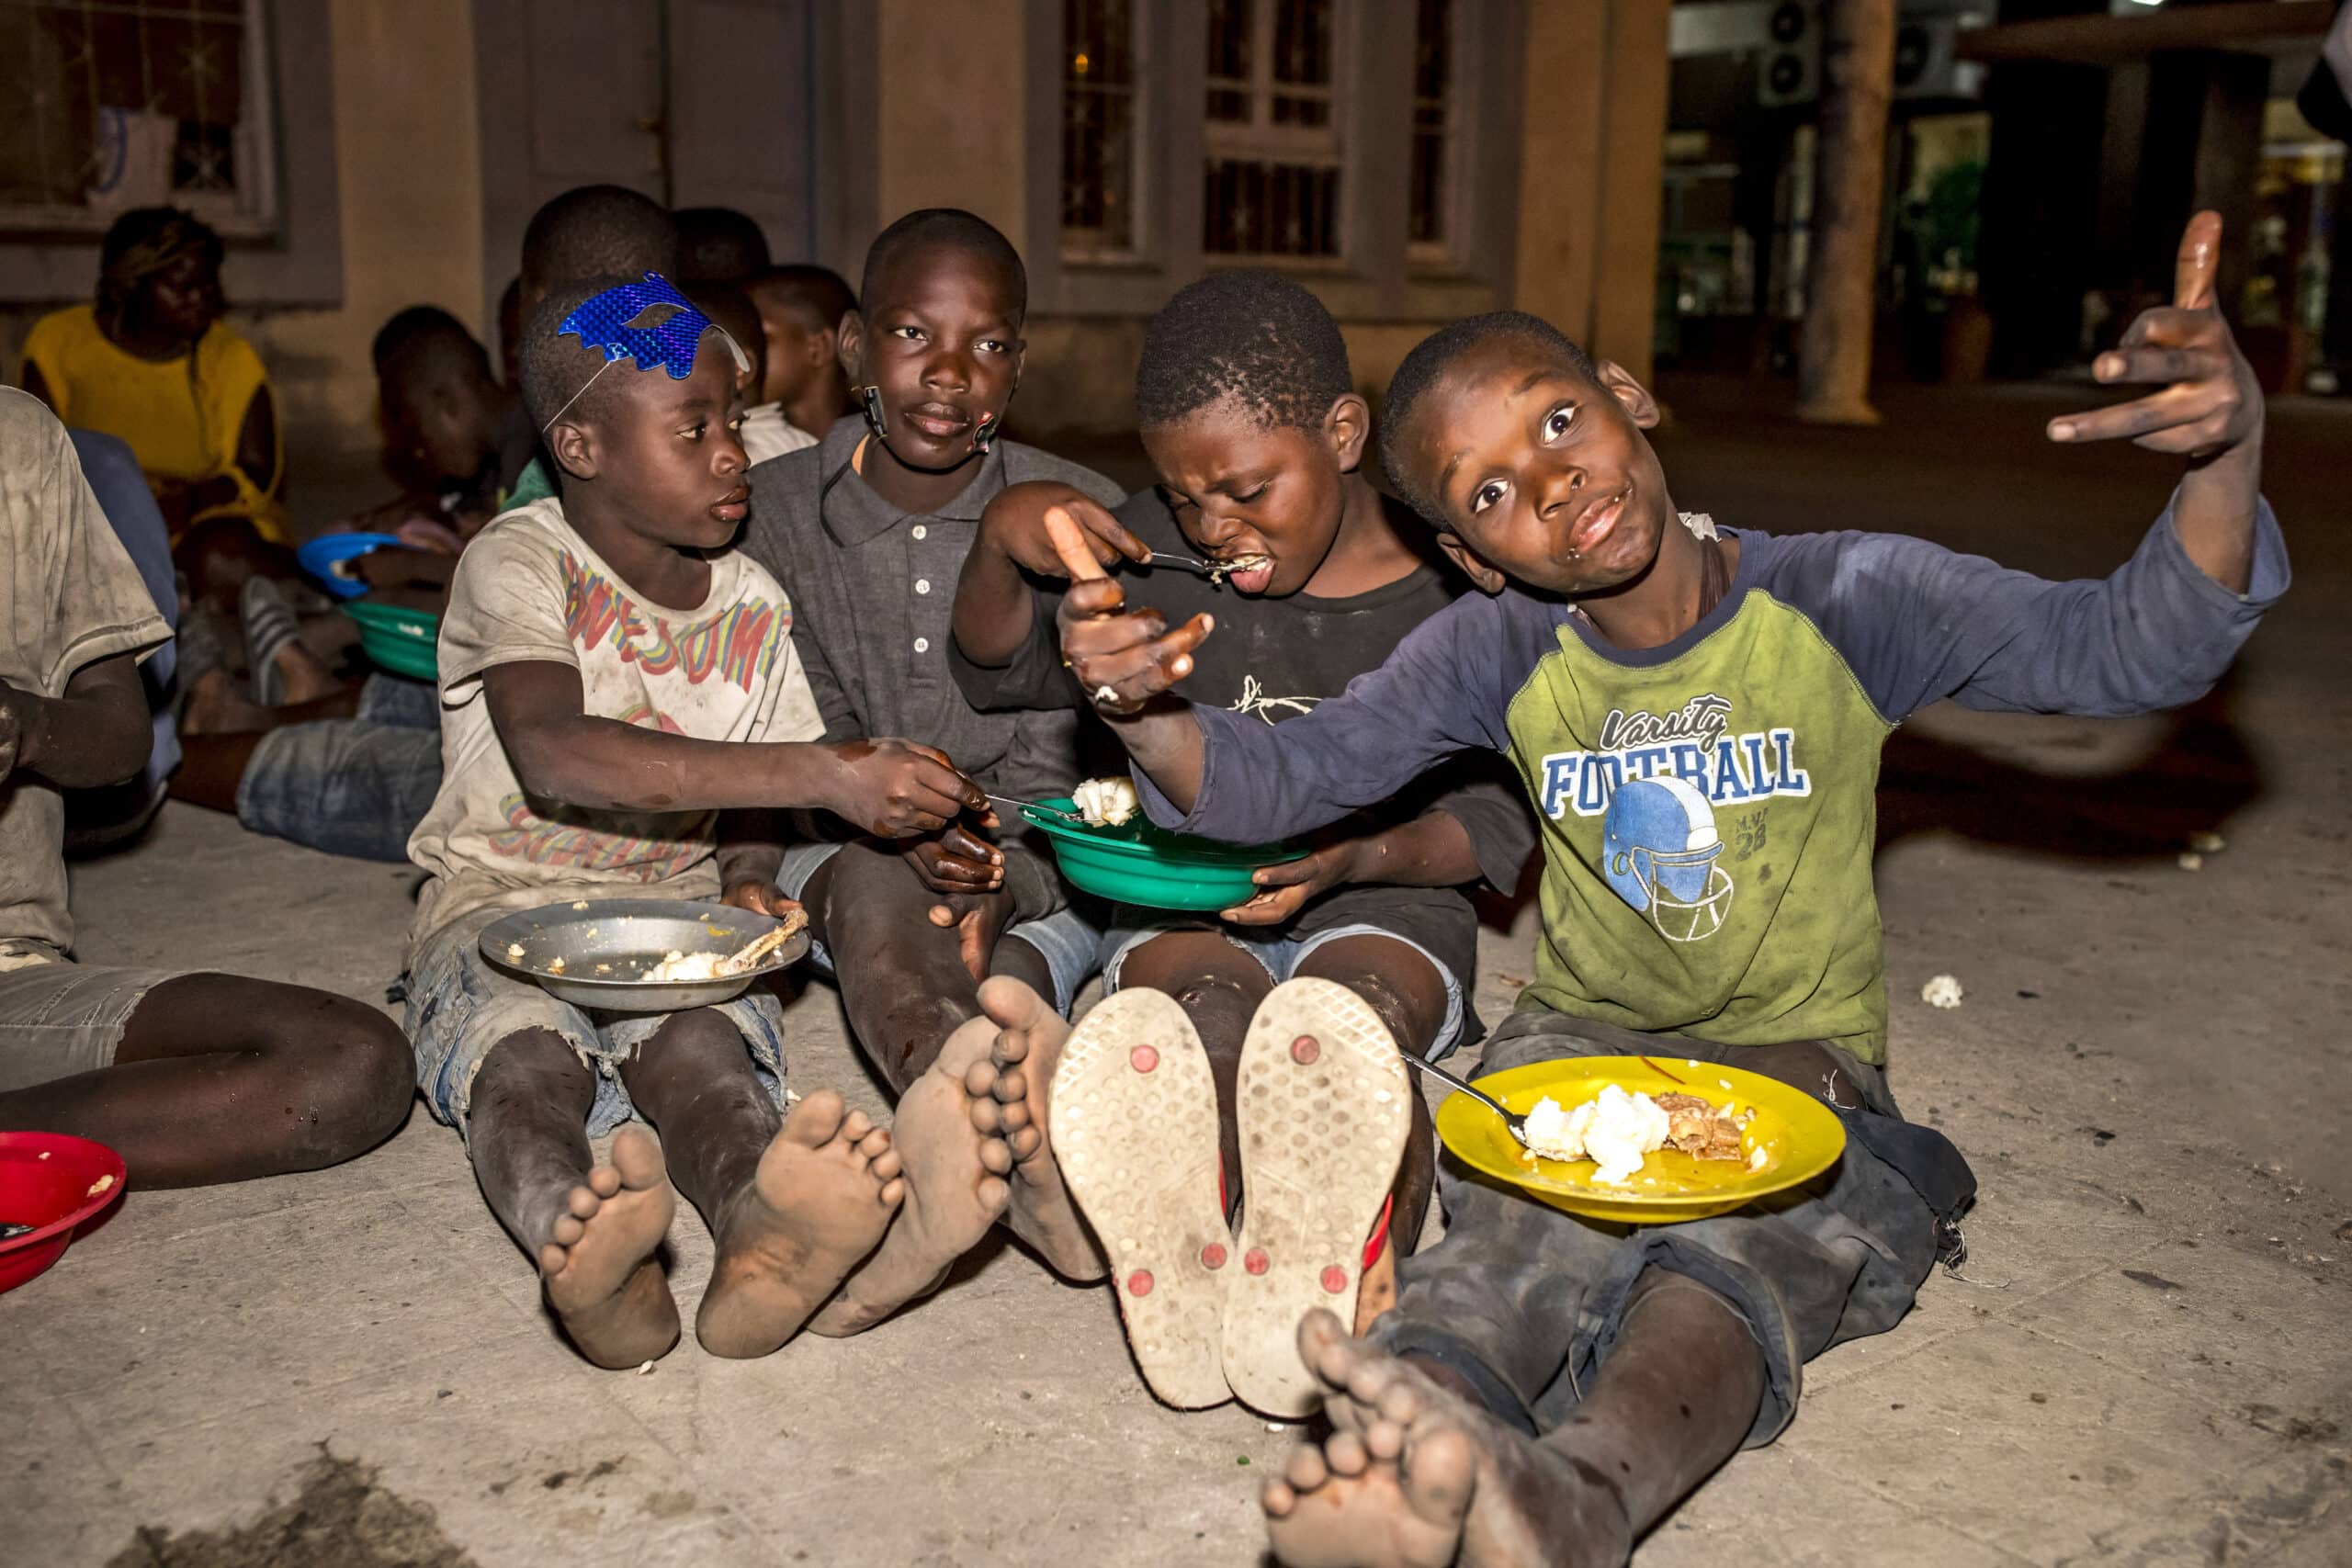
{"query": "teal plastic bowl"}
{"type": "Point", "coordinates": [398, 639]}
{"type": "Point", "coordinates": [1143, 864]}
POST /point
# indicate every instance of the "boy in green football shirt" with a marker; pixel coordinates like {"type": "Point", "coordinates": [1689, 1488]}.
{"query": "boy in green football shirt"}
{"type": "Point", "coordinates": [1696, 715]}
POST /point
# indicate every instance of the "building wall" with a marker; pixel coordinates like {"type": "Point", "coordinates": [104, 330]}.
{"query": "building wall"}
{"type": "Point", "coordinates": [407, 191]}
{"type": "Point", "coordinates": [408, 175]}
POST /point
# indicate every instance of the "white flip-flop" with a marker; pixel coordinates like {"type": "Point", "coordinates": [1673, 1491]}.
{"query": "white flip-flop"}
{"type": "Point", "coordinates": [1324, 1109]}
{"type": "Point", "coordinates": [1132, 1116]}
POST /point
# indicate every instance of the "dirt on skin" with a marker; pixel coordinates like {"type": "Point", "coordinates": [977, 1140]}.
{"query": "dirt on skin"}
{"type": "Point", "coordinates": [341, 1515]}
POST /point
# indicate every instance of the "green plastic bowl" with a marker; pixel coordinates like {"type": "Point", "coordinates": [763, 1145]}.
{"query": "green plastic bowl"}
{"type": "Point", "coordinates": [399, 639]}
{"type": "Point", "coordinates": [1143, 864]}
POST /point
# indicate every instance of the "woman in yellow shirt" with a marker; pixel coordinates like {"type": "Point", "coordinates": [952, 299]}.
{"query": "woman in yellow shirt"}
{"type": "Point", "coordinates": [151, 363]}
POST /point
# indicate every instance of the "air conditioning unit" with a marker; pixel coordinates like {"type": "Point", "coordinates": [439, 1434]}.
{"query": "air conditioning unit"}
{"type": "Point", "coordinates": [1926, 54]}
{"type": "Point", "coordinates": [1788, 72]}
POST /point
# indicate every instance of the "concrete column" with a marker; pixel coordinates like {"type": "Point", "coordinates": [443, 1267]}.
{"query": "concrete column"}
{"type": "Point", "coordinates": [1591, 159]}
{"type": "Point", "coordinates": [1834, 347]}
{"type": "Point", "coordinates": [1633, 177]}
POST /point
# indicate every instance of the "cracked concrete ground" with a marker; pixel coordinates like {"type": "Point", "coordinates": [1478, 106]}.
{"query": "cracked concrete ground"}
{"type": "Point", "coordinates": [2147, 1362]}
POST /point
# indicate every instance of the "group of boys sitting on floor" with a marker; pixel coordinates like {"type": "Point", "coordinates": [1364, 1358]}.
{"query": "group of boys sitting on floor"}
{"type": "Point", "coordinates": [675, 671]}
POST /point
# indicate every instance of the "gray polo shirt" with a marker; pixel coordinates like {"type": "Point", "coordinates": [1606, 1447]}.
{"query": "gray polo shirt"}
{"type": "Point", "coordinates": [872, 589]}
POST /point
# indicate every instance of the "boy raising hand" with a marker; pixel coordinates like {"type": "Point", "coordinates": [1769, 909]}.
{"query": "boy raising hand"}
{"type": "Point", "coordinates": [614, 677]}
{"type": "Point", "coordinates": [1696, 714]}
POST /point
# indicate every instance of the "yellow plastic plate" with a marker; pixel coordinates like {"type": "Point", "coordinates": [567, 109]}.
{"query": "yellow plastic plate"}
{"type": "Point", "coordinates": [1800, 1138]}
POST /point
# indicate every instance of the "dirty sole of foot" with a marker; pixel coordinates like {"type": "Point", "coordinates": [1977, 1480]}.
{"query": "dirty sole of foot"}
{"type": "Point", "coordinates": [1324, 1109]}
{"type": "Point", "coordinates": [1133, 1120]}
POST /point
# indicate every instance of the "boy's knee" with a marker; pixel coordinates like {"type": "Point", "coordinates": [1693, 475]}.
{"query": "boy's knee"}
{"type": "Point", "coordinates": [378, 1072]}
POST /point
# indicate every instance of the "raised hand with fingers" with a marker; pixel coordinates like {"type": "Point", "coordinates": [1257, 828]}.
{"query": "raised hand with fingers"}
{"type": "Point", "coordinates": [2209, 403]}
{"type": "Point", "coordinates": [1123, 657]}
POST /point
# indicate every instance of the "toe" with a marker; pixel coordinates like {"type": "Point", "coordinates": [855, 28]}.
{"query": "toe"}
{"type": "Point", "coordinates": [582, 1201]}
{"type": "Point", "coordinates": [636, 1159]}
{"type": "Point", "coordinates": [1399, 1400]}
{"type": "Point", "coordinates": [996, 1157]}
{"type": "Point", "coordinates": [603, 1182]}
{"type": "Point", "coordinates": [894, 1193]}
{"type": "Point", "coordinates": [1346, 1454]}
{"type": "Point", "coordinates": [980, 1080]}
{"type": "Point", "coordinates": [1323, 1346]}
{"type": "Point", "coordinates": [855, 1126]}
{"type": "Point", "coordinates": [552, 1257]}
{"type": "Point", "coordinates": [1438, 1477]}
{"type": "Point", "coordinates": [1013, 1003]}
{"type": "Point", "coordinates": [994, 1193]}
{"type": "Point", "coordinates": [567, 1230]}
{"type": "Point", "coordinates": [887, 1166]}
{"type": "Point", "coordinates": [1023, 1142]}
{"type": "Point", "coordinates": [1305, 1469]}
{"type": "Point", "coordinates": [987, 1116]}
{"type": "Point", "coordinates": [1277, 1499]}
{"type": "Point", "coordinates": [875, 1143]}
{"type": "Point", "coordinates": [815, 1120]}
{"type": "Point", "coordinates": [1384, 1440]}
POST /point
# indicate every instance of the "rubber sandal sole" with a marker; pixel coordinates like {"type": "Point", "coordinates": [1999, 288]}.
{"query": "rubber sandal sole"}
{"type": "Point", "coordinates": [1325, 1110]}
{"type": "Point", "coordinates": [1133, 1120]}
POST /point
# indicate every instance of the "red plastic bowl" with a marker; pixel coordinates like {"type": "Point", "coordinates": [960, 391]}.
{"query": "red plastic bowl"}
{"type": "Point", "coordinates": [47, 1181]}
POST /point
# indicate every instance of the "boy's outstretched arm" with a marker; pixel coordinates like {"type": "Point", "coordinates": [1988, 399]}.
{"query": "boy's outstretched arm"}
{"type": "Point", "coordinates": [2209, 410]}
{"type": "Point", "coordinates": [1228, 776]}
{"type": "Point", "coordinates": [562, 752]}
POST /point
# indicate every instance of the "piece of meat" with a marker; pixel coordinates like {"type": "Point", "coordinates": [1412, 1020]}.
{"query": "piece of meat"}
{"type": "Point", "coordinates": [1700, 1128]}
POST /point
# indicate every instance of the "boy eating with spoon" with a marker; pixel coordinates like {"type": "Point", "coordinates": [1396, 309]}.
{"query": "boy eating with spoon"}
{"type": "Point", "coordinates": [1696, 714]}
{"type": "Point", "coordinates": [616, 682]}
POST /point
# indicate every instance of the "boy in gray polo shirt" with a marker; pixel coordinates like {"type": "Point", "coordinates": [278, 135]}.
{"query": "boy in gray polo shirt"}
{"type": "Point", "coordinates": [867, 530]}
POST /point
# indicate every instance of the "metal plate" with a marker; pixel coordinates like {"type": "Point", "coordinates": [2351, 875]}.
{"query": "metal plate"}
{"type": "Point", "coordinates": [607, 944]}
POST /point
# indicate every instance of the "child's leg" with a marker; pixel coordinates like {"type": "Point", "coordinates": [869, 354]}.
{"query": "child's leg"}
{"type": "Point", "coordinates": [1644, 1358]}
{"type": "Point", "coordinates": [1416, 1473]}
{"type": "Point", "coordinates": [592, 1229]}
{"type": "Point", "coordinates": [903, 980]}
{"type": "Point", "coordinates": [216, 1077]}
{"type": "Point", "coordinates": [793, 1201]}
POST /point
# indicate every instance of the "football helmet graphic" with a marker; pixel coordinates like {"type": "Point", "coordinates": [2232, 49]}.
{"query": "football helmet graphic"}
{"type": "Point", "coordinates": [1659, 849]}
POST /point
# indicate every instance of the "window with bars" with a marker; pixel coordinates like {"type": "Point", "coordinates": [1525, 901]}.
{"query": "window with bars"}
{"type": "Point", "coordinates": [108, 105]}
{"type": "Point", "coordinates": [1102, 125]}
{"type": "Point", "coordinates": [1433, 222]}
{"type": "Point", "coordinates": [1271, 187]}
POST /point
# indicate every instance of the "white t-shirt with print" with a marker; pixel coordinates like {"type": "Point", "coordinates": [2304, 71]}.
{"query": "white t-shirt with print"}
{"type": "Point", "coordinates": [529, 589]}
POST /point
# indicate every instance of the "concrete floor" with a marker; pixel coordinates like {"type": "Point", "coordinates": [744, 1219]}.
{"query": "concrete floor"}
{"type": "Point", "coordinates": [2147, 1362]}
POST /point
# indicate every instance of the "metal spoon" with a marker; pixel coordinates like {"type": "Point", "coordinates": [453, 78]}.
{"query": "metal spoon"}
{"type": "Point", "coordinates": [1515, 1126]}
{"type": "Point", "coordinates": [1040, 811]}
{"type": "Point", "coordinates": [1217, 572]}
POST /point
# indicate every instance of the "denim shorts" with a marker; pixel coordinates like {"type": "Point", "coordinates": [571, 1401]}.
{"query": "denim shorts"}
{"type": "Point", "coordinates": [1065, 939]}
{"type": "Point", "coordinates": [62, 1018]}
{"type": "Point", "coordinates": [460, 1005]}
{"type": "Point", "coordinates": [1279, 955]}
{"type": "Point", "coordinates": [353, 786]}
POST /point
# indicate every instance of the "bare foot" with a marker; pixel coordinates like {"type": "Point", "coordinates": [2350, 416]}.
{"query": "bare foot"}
{"type": "Point", "coordinates": [307, 679]}
{"type": "Point", "coordinates": [820, 1199]}
{"type": "Point", "coordinates": [1415, 1477]}
{"type": "Point", "coordinates": [955, 1188]}
{"type": "Point", "coordinates": [1008, 1089]}
{"type": "Point", "coordinates": [599, 1273]}
{"type": "Point", "coordinates": [214, 707]}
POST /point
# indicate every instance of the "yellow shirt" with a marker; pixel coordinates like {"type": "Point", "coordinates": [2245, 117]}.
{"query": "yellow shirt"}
{"type": "Point", "coordinates": [182, 419]}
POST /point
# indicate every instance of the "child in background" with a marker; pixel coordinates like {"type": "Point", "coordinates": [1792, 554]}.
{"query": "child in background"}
{"type": "Point", "coordinates": [766, 435]}
{"type": "Point", "coordinates": [868, 530]}
{"type": "Point", "coordinates": [802, 308]}
{"type": "Point", "coordinates": [1696, 714]}
{"type": "Point", "coordinates": [718, 244]}
{"type": "Point", "coordinates": [1250, 416]}
{"type": "Point", "coordinates": [153, 363]}
{"type": "Point", "coordinates": [616, 679]}
{"type": "Point", "coordinates": [351, 771]}
{"type": "Point", "coordinates": [191, 1077]}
